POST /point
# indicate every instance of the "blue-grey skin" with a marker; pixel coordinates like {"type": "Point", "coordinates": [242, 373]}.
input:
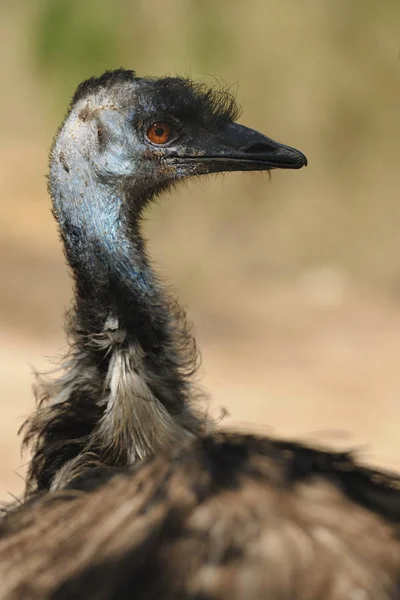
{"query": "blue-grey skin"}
{"type": "Point", "coordinates": [103, 172]}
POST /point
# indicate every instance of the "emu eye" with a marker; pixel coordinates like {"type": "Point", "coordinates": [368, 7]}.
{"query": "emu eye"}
{"type": "Point", "coordinates": [159, 133]}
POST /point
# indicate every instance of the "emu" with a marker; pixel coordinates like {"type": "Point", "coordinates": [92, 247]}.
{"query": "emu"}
{"type": "Point", "coordinates": [125, 391]}
{"type": "Point", "coordinates": [131, 491]}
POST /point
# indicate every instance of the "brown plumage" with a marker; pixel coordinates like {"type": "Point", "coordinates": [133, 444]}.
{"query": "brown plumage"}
{"type": "Point", "coordinates": [228, 517]}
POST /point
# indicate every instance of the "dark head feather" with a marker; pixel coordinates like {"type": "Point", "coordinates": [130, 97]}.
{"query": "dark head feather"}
{"type": "Point", "coordinates": [189, 99]}
{"type": "Point", "coordinates": [106, 80]}
{"type": "Point", "coordinates": [196, 100]}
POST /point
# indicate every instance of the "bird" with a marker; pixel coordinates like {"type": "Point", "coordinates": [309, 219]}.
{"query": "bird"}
{"type": "Point", "coordinates": [124, 391]}
{"type": "Point", "coordinates": [132, 491]}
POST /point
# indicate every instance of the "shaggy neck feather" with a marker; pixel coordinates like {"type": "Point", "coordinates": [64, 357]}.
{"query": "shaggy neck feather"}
{"type": "Point", "coordinates": [124, 391]}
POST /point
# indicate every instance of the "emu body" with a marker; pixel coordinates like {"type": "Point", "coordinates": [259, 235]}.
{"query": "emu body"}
{"type": "Point", "coordinates": [225, 517]}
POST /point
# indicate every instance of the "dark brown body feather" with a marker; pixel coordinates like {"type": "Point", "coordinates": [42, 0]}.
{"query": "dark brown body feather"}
{"type": "Point", "coordinates": [229, 517]}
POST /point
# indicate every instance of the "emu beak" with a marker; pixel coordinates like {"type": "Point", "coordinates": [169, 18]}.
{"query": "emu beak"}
{"type": "Point", "coordinates": [237, 148]}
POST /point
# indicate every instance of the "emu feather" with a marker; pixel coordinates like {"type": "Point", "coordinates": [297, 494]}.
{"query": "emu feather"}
{"type": "Point", "coordinates": [226, 517]}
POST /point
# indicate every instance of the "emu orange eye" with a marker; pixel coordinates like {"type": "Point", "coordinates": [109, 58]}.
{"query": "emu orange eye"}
{"type": "Point", "coordinates": [159, 133]}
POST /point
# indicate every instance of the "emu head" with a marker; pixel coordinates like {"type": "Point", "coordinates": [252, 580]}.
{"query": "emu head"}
{"type": "Point", "coordinates": [146, 133]}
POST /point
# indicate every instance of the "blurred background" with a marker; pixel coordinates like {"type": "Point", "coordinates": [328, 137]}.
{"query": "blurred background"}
{"type": "Point", "coordinates": [293, 284]}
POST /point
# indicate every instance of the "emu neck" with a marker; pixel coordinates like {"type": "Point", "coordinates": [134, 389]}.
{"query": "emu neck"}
{"type": "Point", "coordinates": [125, 391]}
{"type": "Point", "coordinates": [104, 247]}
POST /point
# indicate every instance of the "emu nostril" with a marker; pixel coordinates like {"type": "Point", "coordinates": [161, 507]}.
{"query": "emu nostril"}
{"type": "Point", "coordinates": [260, 148]}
